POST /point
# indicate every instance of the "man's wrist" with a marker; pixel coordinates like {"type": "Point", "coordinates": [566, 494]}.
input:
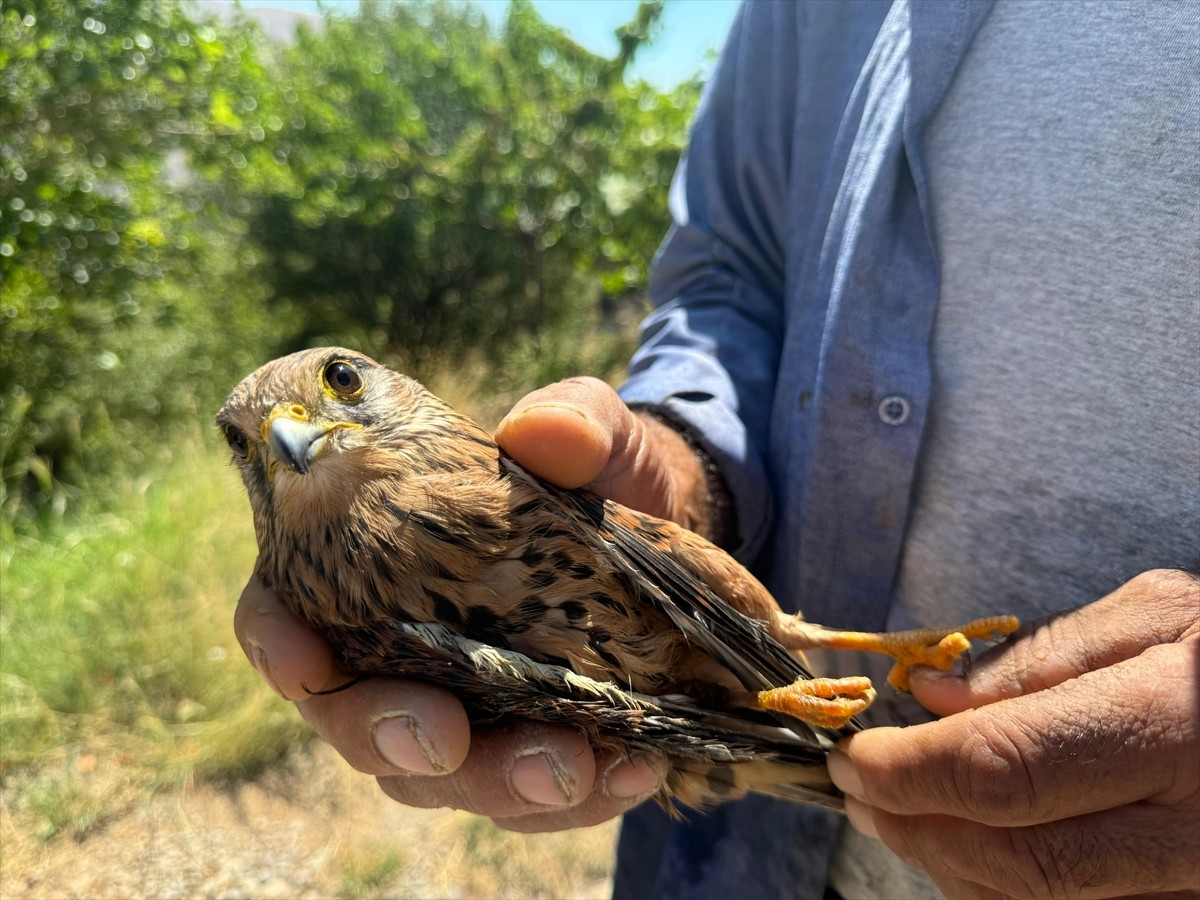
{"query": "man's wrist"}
{"type": "Point", "coordinates": [705, 501]}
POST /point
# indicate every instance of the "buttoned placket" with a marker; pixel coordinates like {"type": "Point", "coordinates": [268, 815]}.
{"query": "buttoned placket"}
{"type": "Point", "coordinates": [860, 381]}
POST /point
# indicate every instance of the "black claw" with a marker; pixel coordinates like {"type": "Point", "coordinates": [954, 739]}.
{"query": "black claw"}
{"type": "Point", "coordinates": [358, 679]}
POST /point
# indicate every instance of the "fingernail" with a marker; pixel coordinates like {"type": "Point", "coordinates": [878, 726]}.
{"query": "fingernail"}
{"type": "Point", "coordinates": [259, 658]}
{"type": "Point", "coordinates": [843, 773]}
{"type": "Point", "coordinates": [557, 407]}
{"type": "Point", "coordinates": [538, 778]}
{"type": "Point", "coordinates": [629, 778]}
{"type": "Point", "coordinates": [400, 741]}
{"type": "Point", "coordinates": [957, 670]}
{"type": "Point", "coordinates": [859, 815]}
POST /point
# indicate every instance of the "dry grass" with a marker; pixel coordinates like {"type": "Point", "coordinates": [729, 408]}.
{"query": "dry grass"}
{"type": "Point", "coordinates": [308, 828]}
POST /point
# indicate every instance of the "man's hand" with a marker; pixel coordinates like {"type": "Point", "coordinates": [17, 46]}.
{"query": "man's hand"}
{"type": "Point", "coordinates": [415, 737]}
{"type": "Point", "coordinates": [1068, 764]}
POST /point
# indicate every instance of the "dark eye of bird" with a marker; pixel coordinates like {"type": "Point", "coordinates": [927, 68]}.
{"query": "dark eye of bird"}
{"type": "Point", "coordinates": [342, 379]}
{"type": "Point", "coordinates": [237, 442]}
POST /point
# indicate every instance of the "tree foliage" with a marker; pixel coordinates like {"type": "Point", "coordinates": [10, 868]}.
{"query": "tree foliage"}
{"type": "Point", "coordinates": [104, 333]}
{"type": "Point", "coordinates": [444, 189]}
{"type": "Point", "coordinates": [181, 199]}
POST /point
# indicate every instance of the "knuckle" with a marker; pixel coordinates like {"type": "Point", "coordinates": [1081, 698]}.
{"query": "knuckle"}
{"type": "Point", "coordinates": [1167, 599]}
{"type": "Point", "coordinates": [1037, 665]}
{"type": "Point", "coordinates": [1032, 659]}
{"type": "Point", "coordinates": [1158, 588]}
{"type": "Point", "coordinates": [1034, 868]}
{"type": "Point", "coordinates": [1169, 581]}
{"type": "Point", "coordinates": [992, 776]}
{"type": "Point", "coordinates": [1063, 633]}
{"type": "Point", "coordinates": [1056, 861]}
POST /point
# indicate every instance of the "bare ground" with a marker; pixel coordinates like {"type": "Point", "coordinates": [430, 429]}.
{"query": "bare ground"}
{"type": "Point", "coordinates": [317, 829]}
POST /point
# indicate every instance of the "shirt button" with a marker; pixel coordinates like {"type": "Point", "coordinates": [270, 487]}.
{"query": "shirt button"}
{"type": "Point", "coordinates": [894, 410]}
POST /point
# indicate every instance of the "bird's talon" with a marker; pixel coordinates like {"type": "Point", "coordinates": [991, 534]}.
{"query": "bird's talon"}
{"type": "Point", "coordinates": [822, 702]}
{"type": "Point", "coordinates": [916, 648]}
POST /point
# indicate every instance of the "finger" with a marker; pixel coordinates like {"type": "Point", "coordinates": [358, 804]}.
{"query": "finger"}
{"type": "Point", "coordinates": [951, 885]}
{"type": "Point", "coordinates": [1107, 738]}
{"type": "Point", "coordinates": [961, 889]}
{"type": "Point", "coordinates": [523, 769]}
{"type": "Point", "coordinates": [579, 432]}
{"type": "Point", "coordinates": [566, 432]}
{"type": "Point", "coordinates": [387, 726]}
{"type": "Point", "coordinates": [1139, 848]}
{"type": "Point", "coordinates": [1157, 607]}
{"type": "Point", "coordinates": [287, 653]}
{"type": "Point", "coordinates": [622, 785]}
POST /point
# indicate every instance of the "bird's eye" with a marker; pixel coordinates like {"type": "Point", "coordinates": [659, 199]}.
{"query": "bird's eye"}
{"type": "Point", "coordinates": [237, 443]}
{"type": "Point", "coordinates": [343, 380]}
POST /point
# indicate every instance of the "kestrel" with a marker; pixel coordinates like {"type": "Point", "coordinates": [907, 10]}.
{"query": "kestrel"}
{"type": "Point", "coordinates": [395, 526]}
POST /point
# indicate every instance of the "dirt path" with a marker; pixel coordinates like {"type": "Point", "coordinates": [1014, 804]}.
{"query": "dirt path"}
{"type": "Point", "coordinates": [320, 830]}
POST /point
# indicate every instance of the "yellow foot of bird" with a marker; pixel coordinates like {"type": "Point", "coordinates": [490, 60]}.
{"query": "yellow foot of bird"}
{"type": "Point", "coordinates": [823, 702]}
{"type": "Point", "coordinates": [937, 647]}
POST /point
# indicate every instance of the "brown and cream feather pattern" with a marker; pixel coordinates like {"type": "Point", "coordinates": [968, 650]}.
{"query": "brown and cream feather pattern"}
{"type": "Point", "coordinates": [394, 525]}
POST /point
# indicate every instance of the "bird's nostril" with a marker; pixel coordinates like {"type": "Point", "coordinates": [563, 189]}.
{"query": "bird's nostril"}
{"type": "Point", "coordinates": [296, 411]}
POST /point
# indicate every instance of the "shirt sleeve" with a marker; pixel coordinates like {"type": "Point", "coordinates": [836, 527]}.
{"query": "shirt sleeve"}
{"type": "Point", "coordinates": [709, 351]}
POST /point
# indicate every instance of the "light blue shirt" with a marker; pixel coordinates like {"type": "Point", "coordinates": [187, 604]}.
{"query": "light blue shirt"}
{"type": "Point", "coordinates": [796, 304]}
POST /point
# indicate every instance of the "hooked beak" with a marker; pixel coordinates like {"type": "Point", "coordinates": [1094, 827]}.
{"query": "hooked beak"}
{"type": "Point", "coordinates": [293, 440]}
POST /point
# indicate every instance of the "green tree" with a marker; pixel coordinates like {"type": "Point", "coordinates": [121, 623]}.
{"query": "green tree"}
{"type": "Point", "coordinates": [453, 188]}
{"type": "Point", "coordinates": [107, 256]}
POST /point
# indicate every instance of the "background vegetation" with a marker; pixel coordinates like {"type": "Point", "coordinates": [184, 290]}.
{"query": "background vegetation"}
{"type": "Point", "coordinates": [181, 200]}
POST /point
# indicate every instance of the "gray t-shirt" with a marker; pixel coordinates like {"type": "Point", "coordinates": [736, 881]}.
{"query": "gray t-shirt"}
{"type": "Point", "coordinates": [1065, 424]}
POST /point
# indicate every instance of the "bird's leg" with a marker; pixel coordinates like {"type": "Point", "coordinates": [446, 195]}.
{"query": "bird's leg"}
{"type": "Point", "coordinates": [823, 702]}
{"type": "Point", "coordinates": [936, 647]}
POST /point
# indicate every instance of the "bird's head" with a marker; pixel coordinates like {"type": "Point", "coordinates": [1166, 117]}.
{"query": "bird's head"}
{"type": "Point", "coordinates": [318, 421]}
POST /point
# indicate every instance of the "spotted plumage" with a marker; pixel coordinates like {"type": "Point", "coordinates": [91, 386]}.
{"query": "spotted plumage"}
{"type": "Point", "coordinates": [395, 526]}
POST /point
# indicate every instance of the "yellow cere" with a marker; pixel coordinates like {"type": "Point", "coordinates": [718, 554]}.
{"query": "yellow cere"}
{"type": "Point", "coordinates": [294, 411]}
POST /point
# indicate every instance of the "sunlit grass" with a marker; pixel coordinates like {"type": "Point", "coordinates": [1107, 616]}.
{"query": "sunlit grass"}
{"type": "Point", "coordinates": [58, 800]}
{"type": "Point", "coordinates": [365, 875]}
{"type": "Point", "coordinates": [448, 854]}
{"type": "Point", "coordinates": [116, 644]}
